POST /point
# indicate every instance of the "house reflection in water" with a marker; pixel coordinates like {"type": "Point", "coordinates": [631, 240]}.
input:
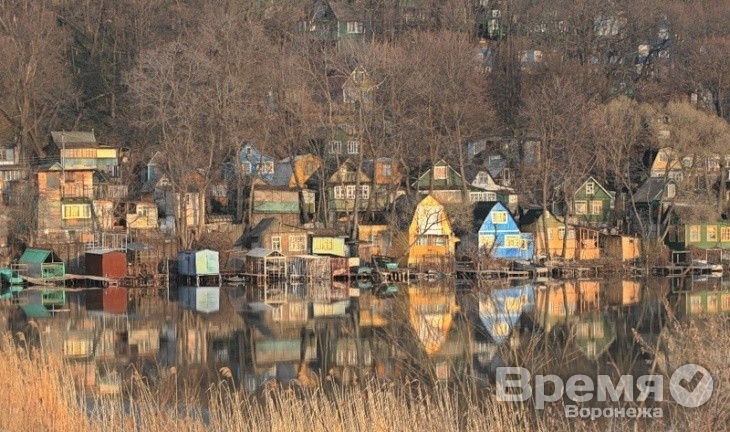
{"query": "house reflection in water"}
{"type": "Point", "coordinates": [431, 310]}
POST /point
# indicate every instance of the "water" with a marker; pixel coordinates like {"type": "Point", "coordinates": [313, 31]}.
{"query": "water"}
{"type": "Point", "coordinates": [436, 332]}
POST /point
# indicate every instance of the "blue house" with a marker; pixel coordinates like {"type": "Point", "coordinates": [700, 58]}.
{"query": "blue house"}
{"type": "Point", "coordinates": [501, 309]}
{"type": "Point", "coordinates": [255, 163]}
{"type": "Point", "coordinates": [499, 234]}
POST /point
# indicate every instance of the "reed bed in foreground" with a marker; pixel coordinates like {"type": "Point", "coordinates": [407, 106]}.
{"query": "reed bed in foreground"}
{"type": "Point", "coordinates": [37, 394]}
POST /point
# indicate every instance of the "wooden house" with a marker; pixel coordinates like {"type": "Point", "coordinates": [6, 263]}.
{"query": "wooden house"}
{"type": "Point", "coordinates": [11, 168]}
{"type": "Point", "coordinates": [373, 240]}
{"type": "Point", "coordinates": [580, 243]}
{"type": "Point", "coordinates": [333, 22]}
{"type": "Point", "coordinates": [106, 262]}
{"type": "Point", "coordinates": [667, 164]}
{"type": "Point", "coordinates": [499, 235]}
{"type": "Point", "coordinates": [339, 143]}
{"type": "Point", "coordinates": [65, 203]}
{"type": "Point", "coordinates": [349, 189]}
{"type": "Point", "coordinates": [593, 204]}
{"type": "Point", "coordinates": [701, 235]}
{"type": "Point", "coordinates": [330, 242]}
{"type": "Point", "coordinates": [136, 215]}
{"type": "Point", "coordinates": [266, 264]}
{"type": "Point", "coordinates": [272, 233]}
{"type": "Point", "coordinates": [621, 247]}
{"type": "Point", "coordinates": [254, 163]}
{"type": "Point", "coordinates": [486, 189]}
{"type": "Point", "coordinates": [282, 202]}
{"type": "Point", "coordinates": [429, 235]}
{"type": "Point", "coordinates": [374, 311]}
{"type": "Point", "coordinates": [187, 206]}
{"type": "Point", "coordinates": [80, 150]}
{"type": "Point", "coordinates": [594, 334]}
{"type": "Point", "coordinates": [295, 172]}
{"type": "Point", "coordinates": [442, 182]}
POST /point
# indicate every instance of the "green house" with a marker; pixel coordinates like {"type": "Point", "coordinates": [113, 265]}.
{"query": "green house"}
{"type": "Point", "coordinates": [444, 183]}
{"type": "Point", "coordinates": [334, 21]}
{"type": "Point", "coordinates": [593, 203]}
{"type": "Point", "coordinates": [702, 235]}
{"type": "Point", "coordinates": [41, 263]}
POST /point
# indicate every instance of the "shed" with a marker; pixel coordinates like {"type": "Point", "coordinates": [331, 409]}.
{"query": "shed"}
{"type": "Point", "coordinates": [309, 267]}
{"type": "Point", "coordinates": [264, 262]}
{"type": "Point", "coordinates": [105, 262]}
{"type": "Point", "coordinates": [622, 247]}
{"type": "Point", "coordinates": [198, 263]}
{"type": "Point", "coordinates": [42, 263]}
{"type": "Point", "coordinates": [112, 300]}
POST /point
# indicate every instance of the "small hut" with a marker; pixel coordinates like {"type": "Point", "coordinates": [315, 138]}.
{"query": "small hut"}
{"type": "Point", "coordinates": [105, 262]}
{"type": "Point", "coordinates": [41, 263]}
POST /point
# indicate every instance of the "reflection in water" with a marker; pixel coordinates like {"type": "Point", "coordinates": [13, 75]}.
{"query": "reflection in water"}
{"type": "Point", "coordinates": [310, 334]}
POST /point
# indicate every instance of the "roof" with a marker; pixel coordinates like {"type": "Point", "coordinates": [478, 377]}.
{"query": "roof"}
{"type": "Point", "coordinates": [74, 139]}
{"type": "Point", "coordinates": [102, 250]}
{"type": "Point", "coordinates": [262, 253]}
{"type": "Point", "coordinates": [482, 209]}
{"type": "Point", "coordinates": [651, 190]}
{"type": "Point", "coordinates": [346, 11]}
{"type": "Point", "coordinates": [531, 216]}
{"type": "Point", "coordinates": [38, 256]}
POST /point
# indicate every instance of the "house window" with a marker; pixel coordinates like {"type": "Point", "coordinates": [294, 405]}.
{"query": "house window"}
{"type": "Point", "coordinates": [513, 241]}
{"type": "Point", "coordinates": [711, 233]}
{"type": "Point", "coordinates": [354, 27]}
{"type": "Point", "coordinates": [297, 243]}
{"type": "Point", "coordinates": [596, 207]}
{"type": "Point", "coordinates": [246, 168]}
{"type": "Point", "coordinates": [76, 211]}
{"type": "Point", "coordinates": [386, 169]}
{"type": "Point", "coordinates": [482, 196]}
{"type": "Point", "coordinates": [439, 172]}
{"type": "Point", "coordinates": [486, 241]}
{"type": "Point", "coordinates": [561, 233]}
{"type": "Point", "coordinates": [364, 191]}
{"type": "Point", "coordinates": [353, 147]}
{"type": "Point", "coordinates": [590, 188]}
{"type": "Point", "coordinates": [581, 207]}
{"type": "Point", "coordinates": [335, 147]}
{"type": "Point", "coordinates": [266, 167]}
{"type": "Point", "coordinates": [694, 233]}
{"type": "Point", "coordinates": [339, 192]}
{"type": "Point", "coordinates": [350, 191]}
{"type": "Point", "coordinates": [499, 217]}
{"type": "Point", "coordinates": [276, 243]}
{"type": "Point", "coordinates": [725, 234]}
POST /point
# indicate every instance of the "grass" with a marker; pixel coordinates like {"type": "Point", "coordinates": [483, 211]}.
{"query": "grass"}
{"type": "Point", "coordinates": [39, 394]}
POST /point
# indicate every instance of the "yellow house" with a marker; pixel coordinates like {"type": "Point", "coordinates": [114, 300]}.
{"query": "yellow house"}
{"type": "Point", "coordinates": [667, 162]}
{"type": "Point", "coordinates": [430, 236]}
{"type": "Point", "coordinates": [569, 242]}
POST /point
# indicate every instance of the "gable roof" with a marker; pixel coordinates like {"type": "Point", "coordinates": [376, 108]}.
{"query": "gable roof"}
{"type": "Point", "coordinates": [440, 163]}
{"type": "Point", "coordinates": [482, 209]}
{"type": "Point", "coordinates": [596, 182]}
{"type": "Point", "coordinates": [263, 253]}
{"type": "Point", "coordinates": [345, 11]}
{"type": "Point", "coordinates": [38, 256]}
{"type": "Point", "coordinates": [531, 216]}
{"type": "Point", "coordinates": [336, 177]}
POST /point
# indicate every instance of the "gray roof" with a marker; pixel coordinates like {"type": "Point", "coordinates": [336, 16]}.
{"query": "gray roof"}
{"type": "Point", "coordinates": [652, 190]}
{"type": "Point", "coordinates": [262, 253]}
{"type": "Point", "coordinates": [73, 138]}
{"type": "Point", "coordinates": [346, 11]}
{"type": "Point", "coordinates": [135, 246]}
